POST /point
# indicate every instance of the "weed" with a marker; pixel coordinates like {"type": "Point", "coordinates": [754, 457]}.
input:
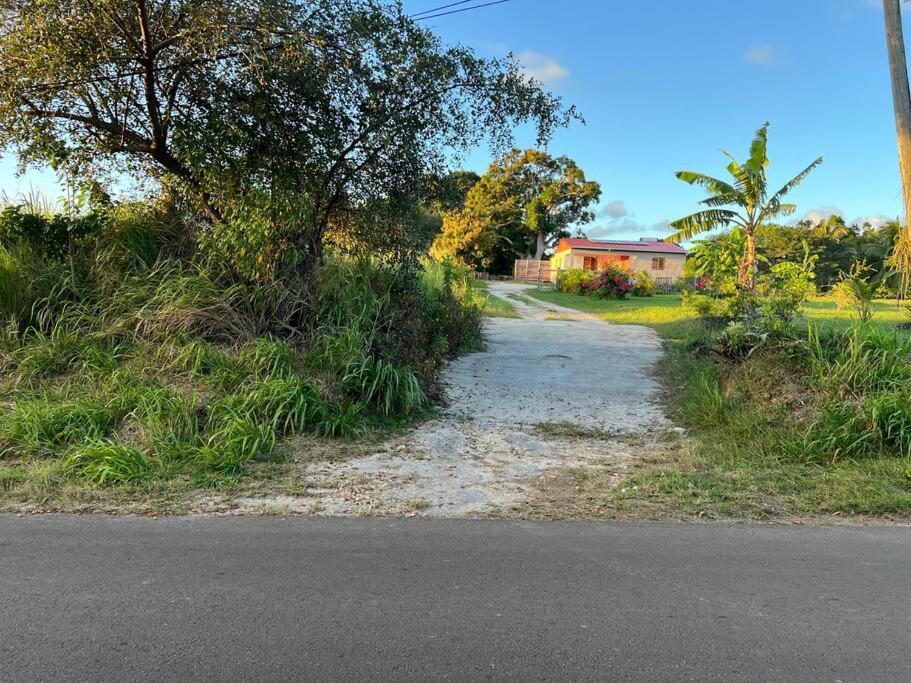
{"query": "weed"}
{"type": "Point", "coordinates": [106, 463]}
{"type": "Point", "coordinates": [43, 426]}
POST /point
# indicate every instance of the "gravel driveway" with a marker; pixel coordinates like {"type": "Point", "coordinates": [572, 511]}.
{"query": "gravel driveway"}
{"type": "Point", "coordinates": [554, 389]}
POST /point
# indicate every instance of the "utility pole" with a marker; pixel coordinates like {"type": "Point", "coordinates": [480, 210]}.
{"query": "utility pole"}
{"type": "Point", "coordinates": [901, 98]}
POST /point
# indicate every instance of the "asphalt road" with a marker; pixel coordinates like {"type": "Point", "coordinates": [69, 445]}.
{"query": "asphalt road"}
{"type": "Point", "coordinates": [98, 598]}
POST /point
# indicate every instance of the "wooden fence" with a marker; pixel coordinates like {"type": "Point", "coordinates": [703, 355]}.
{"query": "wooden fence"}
{"type": "Point", "coordinates": [533, 271]}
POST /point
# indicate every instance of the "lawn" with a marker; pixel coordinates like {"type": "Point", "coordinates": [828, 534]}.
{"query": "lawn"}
{"type": "Point", "coordinates": [822, 311]}
{"type": "Point", "coordinates": [747, 422]}
{"type": "Point", "coordinates": [664, 313]}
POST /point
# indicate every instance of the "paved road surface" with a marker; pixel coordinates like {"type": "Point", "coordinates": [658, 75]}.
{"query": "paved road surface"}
{"type": "Point", "coordinates": [98, 598]}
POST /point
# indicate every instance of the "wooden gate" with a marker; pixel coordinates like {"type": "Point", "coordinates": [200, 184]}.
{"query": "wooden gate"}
{"type": "Point", "coordinates": [533, 271]}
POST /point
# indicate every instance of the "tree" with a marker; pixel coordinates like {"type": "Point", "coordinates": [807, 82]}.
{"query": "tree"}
{"type": "Point", "coordinates": [520, 208]}
{"type": "Point", "coordinates": [901, 98]}
{"type": "Point", "coordinates": [749, 193]}
{"type": "Point", "coordinates": [273, 114]}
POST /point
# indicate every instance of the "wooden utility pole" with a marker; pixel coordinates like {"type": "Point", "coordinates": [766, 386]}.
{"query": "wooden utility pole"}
{"type": "Point", "coordinates": [901, 98]}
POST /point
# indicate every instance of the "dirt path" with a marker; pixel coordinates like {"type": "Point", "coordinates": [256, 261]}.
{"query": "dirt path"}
{"type": "Point", "coordinates": [555, 389]}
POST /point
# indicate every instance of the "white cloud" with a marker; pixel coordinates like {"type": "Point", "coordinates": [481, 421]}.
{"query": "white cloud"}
{"type": "Point", "coordinates": [874, 222]}
{"type": "Point", "coordinates": [822, 213]}
{"type": "Point", "coordinates": [627, 228]}
{"type": "Point", "coordinates": [615, 221]}
{"type": "Point", "coordinates": [614, 209]}
{"type": "Point", "coordinates": [763, 55]}
{"type": "Point", "coordinates": [542, 68]}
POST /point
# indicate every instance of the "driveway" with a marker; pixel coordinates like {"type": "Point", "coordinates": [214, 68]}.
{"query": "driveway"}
{"type": "Point", "coordinates": [262, 599]}
{"type": "Point", "coordinates": [555, 390]}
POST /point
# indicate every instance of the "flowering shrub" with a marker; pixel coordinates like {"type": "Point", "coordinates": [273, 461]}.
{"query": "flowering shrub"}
{"type": "Point", "coordinates": [571, 281]}
{"type": "Point", "coordinates": [644, 285]}
{"type": "Point", "coordinates": [614, 282]}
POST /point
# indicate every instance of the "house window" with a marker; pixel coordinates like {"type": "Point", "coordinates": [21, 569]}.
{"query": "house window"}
{"type": "Point", "coordinates": [657, 264]}
{"type": "Point", "coordinates": [589, 263]}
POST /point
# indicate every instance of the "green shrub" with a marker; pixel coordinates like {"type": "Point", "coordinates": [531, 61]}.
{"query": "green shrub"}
{"type": "Point", "coordinates": [644, 285]}
{"type": "Point", "coordinates": [855, 294]}
{"type": "Point", "coordinates": [738, 340]}
{"type": "Point", "coordinates": [571, 281]}
{"type": "Point", "coordinates": [612, 282]}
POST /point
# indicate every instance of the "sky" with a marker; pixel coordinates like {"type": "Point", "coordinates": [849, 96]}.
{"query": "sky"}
{"type": "Point", "coordinates": [665, 86]}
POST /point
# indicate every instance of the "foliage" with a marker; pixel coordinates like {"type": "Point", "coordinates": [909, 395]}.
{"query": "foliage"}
{"type": "Point", "coordinates": [520, 208]}
{"type": "Point", "coordinates": [272, 115]}
{"type": "Point", "coordinates": [572, 279]}
{"type": "Point", "coordinates": [612, 282]}
{"type": "Point", "coordinates": [161, 367]}
{"type": "Point", "coordinates": [644, 285]}
{"type": "Point", "coordinates": [855, 293]}
{"type": "Point", "coordinates": [770, 432]}
{"type": "Point", "coordinates": [749, 194]}
{"type": "Point", "coordinates": [834, 245]}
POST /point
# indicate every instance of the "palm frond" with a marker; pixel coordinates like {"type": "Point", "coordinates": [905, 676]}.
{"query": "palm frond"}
{"type": "Point", "coordinates": [792, 183]}
{"type": "Point", "coordinates": [700, 222]}
{"type": "Point", "coordinates": [741, 177]}
{"type": "Point", "coordinates": [719, 187]}
{"type": "Point", "coordinates": [759, 159]}
{"type": "Point", "coordinates": [787, 209]}
{"type": "Point", "coordinates": [724, 199]}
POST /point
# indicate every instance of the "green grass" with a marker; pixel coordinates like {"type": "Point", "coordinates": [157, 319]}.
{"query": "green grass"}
{"type": "Point", "coordinates": [494, 306]}
{"type": "Point", "coordinates": [665, 314]}
{"type": "Point", "coordinates": [764, 439]}
{"type": "Point", "coordinates": [749, 456]}
{"type": "Point", "coordinates": [662, 312]}
{"type": "Point", "coordinates": [823, 312]}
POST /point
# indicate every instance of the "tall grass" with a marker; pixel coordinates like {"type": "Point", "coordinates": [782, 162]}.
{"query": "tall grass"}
{"type": "Point", "coordinates": [143, 362]}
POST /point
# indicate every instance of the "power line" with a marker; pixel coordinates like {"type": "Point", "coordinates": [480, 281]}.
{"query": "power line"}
{"type": "Point", "coordinates": [463, 9]}
{"type": "Point", "coordinates": [437, 9]}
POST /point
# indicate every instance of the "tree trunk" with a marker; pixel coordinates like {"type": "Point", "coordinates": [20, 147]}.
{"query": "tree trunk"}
{"type": "Point", "coordinates": [539, 251]}
{"type": "Point", "coordinates": [746, 275]}
{"type": "Point", "coordinates": [901, 99]}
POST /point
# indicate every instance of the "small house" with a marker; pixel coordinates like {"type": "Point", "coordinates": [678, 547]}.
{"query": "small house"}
{"type": "Point", "coordinates": [663, 261]}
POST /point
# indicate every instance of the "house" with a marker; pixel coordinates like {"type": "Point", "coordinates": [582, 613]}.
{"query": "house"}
{"type": "Point", "coordinates": [663, 261]}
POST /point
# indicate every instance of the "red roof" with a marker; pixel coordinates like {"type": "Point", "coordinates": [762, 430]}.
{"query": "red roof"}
{"type": "Point", "coordinates": [619, 245]}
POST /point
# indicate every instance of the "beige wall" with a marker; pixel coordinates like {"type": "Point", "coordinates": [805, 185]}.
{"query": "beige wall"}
{"type": "Point", "coordinates": [639, 261]}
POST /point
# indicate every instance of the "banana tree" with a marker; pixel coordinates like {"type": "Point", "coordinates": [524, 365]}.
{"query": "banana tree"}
{"type": "Point", "coordinates": [745, 203]}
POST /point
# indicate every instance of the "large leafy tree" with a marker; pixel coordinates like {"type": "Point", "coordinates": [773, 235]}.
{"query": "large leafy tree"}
{"type": "Point", "coordinates": [521, 207]}
{"type": "Point", "coordinates": [744, 202]}
{"type": "Point", "coordinates": [273, 114]}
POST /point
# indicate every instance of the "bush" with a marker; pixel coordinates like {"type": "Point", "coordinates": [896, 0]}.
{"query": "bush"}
{"type": "Point", "coordinates": [152, 364]}
{"type": "Point", "coordinates": [644, 285]}
{"type": "Point", "coordinates": [739, 339]}
{"type": "Point", "coordinates": [613, 282]}
{"type": "Point", "coordinates": [571, 281]}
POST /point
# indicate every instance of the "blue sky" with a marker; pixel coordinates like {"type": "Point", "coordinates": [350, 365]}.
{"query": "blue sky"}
{"type": "Point", "coordinates": [667, 90]}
